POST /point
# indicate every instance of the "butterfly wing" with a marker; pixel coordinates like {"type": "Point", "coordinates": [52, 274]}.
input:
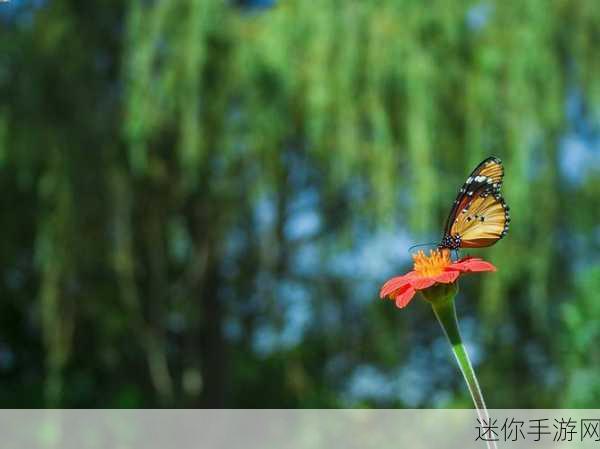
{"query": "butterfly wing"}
{"type": "Point", "coordinates": [479, 215]}
{"type": "Point", "coordinates": [492, 168]}
{"type": "Point", "coordinates": [483, 222]}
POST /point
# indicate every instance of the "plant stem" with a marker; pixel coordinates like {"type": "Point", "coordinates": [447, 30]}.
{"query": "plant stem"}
{"type": "Point", "coordinates": [445, 312]}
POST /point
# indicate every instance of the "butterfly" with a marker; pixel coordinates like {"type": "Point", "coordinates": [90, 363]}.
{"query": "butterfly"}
{"type": "Point", "coordinates": [479, 215]}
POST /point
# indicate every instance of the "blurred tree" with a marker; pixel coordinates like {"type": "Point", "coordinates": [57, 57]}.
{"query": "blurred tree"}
{"type": "Point", "coordinates": [202, 203]}
{"type": "Point", "coordinates": [580, 354]}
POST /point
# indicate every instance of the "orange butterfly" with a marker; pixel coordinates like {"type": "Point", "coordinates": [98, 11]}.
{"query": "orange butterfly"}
{"type": "Point", "coordinates": [479, 215]}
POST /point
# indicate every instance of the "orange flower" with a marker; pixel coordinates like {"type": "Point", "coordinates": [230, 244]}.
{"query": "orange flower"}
{"type": "Point", "coordinates": [437, 268]}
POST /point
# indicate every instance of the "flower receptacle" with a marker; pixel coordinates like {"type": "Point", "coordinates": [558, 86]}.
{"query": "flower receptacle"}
{"type": "Point", "coordinates": [440, 293]}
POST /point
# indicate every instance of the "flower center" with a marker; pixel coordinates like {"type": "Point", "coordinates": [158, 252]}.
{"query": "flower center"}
{"type": "Point", "coordinates": [433, 264]}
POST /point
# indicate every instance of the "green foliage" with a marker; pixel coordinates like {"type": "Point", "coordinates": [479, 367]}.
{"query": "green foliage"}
{"type": "Point", "coordinates": [160, 159]}
{"type": "Point", "coordinates": [581, 357]}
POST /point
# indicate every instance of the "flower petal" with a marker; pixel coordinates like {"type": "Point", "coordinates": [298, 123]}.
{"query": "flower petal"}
{"type": "Point", "coordinates": [420, 283]}
{"type": "Point", "coordinates": [406, 295]}
{"type": "Point", "coordinates": [395, 283]}
{"type": "Point", "coordinates": [447, 277]}
{"type": "Point", "coordinates": [472, 264]}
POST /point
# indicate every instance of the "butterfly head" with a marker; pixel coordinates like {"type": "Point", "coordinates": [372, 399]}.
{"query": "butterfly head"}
{"type": "Point", "coordinates": [450, 242]}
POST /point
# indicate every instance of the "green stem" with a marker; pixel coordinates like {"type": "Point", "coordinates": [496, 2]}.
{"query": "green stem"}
{"type": "Point", "coordinates": [445, 312]}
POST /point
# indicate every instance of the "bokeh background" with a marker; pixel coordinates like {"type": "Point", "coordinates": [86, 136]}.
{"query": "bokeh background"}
{"type": "Point", "coordinates": [201, 198]}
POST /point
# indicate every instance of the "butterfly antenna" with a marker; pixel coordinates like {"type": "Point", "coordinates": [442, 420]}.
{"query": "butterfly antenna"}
{"type": "Point", "coordinates": [420, 245]}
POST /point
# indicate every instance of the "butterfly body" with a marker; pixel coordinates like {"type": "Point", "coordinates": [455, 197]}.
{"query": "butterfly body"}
{"type": "Point", "coordinates": [479, 215]}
